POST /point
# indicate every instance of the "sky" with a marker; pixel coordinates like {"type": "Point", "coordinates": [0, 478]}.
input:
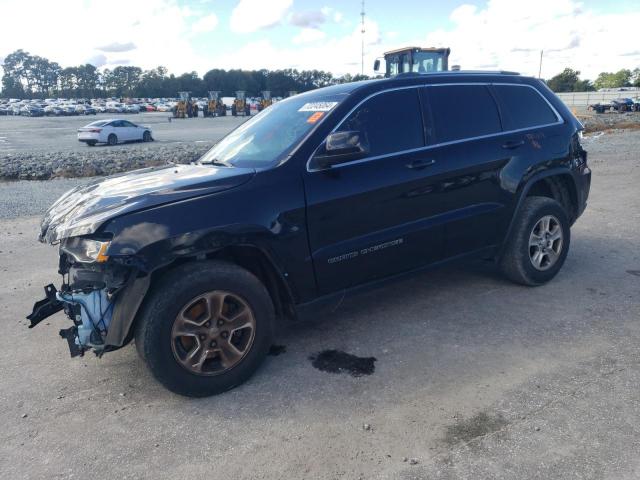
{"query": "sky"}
{"type": "Point", "coordinates": [197, 35]}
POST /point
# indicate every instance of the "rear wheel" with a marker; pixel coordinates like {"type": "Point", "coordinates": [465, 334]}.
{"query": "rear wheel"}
{"type": "Point", "coordinates": [538, 244]}
{"type": "Point", "coordinates": [205, 328]}
{"type": "Point", "coordinates": [112, 139]}
{"type": "Point", "coordinates": [91, 144]}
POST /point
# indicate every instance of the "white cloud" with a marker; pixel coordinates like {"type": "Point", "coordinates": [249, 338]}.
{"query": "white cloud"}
{"type": "Point", "coordinates": [338, 55]}
{"type": "Point", "coordinates": [158, 29]}
{"type": "Point", "coordinates": [205, 24]}
{"type": "Point", "coordinates": [97, 60]}
{"type": "Point", "coordinates": [310, 19]}
{"type": "Point", "coordinates": [308, 35]}
{"type": "Point", "coordinates": [506, 34]}
{"type": "Point", "coordinates": [117, 47]}
{"type": "Point", "coordinates": [509, 34]}
{"type": "Point", "coordinates": [251, 15]}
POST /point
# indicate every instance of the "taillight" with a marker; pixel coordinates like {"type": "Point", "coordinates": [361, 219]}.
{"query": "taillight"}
{"type": "Point", "coordinates": [95, 130]}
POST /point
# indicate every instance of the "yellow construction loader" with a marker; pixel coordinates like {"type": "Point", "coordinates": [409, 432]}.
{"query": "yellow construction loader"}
{"type": "Point", "coordinates": [414, 59]}
{"type": "Point", "coordinates": [180, 110]}
{"type": "Point", "coordinates": [215, 107]}
{"type": "Point", "coordinates": [240, 105]}
{"type": "Point", "coordinates": [265, 101]}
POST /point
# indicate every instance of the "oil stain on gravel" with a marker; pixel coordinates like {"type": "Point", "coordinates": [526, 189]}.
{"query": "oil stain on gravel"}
{"type": "Point", "coordinates": [477, 426]}
{"type": "Point", "coordinates": [275, 350]}
{"type": "Point", "coordinates": [335, 361]}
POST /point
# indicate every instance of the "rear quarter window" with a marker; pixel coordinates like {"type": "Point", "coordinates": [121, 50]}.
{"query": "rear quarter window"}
{"type": "Point", "coordinates": [523, 107]}
{"type": "Point", "coordinates": [460, 112]}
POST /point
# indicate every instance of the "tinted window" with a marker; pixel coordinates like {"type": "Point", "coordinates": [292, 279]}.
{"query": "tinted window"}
{"type": "Point", "coordinates": [127, 124]}
{"type": "Point", "coordinates": [391, 121]}
{"type": "Point", "coordinates": [523, 107]}
{"type": "Point", "coordinates": [462, 111]}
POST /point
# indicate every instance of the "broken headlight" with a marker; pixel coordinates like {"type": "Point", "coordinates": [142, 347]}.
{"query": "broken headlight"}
{"type": "Point", "coordinates": [86, 250]}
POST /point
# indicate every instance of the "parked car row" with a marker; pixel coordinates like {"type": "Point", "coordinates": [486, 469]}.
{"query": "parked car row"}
{"type": "Point", "coordinates": [617, 105]}
{"type": "Point", "coordinates": [64, 107]}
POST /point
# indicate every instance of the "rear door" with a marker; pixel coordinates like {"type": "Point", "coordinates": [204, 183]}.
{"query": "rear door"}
{"type": "Point", "coordinates": [373, 217]}
{"type": "Point", "coordinates": [468, 149]}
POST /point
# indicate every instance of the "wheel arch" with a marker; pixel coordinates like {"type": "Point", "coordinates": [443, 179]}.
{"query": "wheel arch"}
{"type": "Point", "coordinates": [556, 183]}
{"type": "Point", "coordinates": [250, 257]}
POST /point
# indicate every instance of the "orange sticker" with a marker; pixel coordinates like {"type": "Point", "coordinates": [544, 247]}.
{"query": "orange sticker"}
{"type": "Point", "coordinates": [315, 117]}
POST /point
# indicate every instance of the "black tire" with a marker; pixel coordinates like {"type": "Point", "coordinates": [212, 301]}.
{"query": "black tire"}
{"type": "Point", "coordinates": [146, 136]}
{"type": "Point", "coordinates": [91, 144]}
{"type": "Point", "coordinates": [112, 139]}
{"type": "Point", "coordinates": [516, 262]}
{"type": "Point", "coordinates": [153, 331]}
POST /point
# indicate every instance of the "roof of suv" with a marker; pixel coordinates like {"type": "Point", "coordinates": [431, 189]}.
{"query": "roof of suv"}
{"type": "Point", "coordinates": [422, 78]}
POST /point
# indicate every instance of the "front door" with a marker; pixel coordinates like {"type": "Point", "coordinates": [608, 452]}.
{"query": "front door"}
{"type": "Point", "coordinates": [374, 217]}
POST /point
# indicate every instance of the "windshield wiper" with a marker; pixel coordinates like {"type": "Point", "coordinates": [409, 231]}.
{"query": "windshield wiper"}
{"type": "Point", "coordinates": [218, 163]}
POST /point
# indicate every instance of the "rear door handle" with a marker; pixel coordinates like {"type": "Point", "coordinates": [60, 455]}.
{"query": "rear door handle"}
{"type": "Point", "coordinates": [420, 164]}
{"type": "Point", "coordinates": [513, 144]}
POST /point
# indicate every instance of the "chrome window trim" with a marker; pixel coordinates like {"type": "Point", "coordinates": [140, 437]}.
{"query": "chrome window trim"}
{"type": "Point", "coordinates": [435, 145]}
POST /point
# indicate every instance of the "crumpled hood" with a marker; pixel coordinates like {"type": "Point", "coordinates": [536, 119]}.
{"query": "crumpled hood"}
{"type": "Point", "coordinates": [83, 209]}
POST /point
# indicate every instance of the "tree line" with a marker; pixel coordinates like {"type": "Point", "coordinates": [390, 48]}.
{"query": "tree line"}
{"type": "Point", "coordinates": [32, 76]}
{"type": "Point", "coordinates": [569, 80]}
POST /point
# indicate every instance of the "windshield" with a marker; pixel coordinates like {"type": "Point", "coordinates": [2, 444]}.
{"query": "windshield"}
{"type": "Point", "coordinates": [425, 62]}
{"type": "Point", "coordinates": [271, 134]}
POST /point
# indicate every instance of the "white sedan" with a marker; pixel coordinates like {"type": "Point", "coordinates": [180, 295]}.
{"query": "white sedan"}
{"type": "Point", "coordinates": [113, 131]}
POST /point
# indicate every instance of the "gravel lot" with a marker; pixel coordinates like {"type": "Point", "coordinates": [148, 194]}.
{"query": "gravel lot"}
{"type": "Point", "coordinates": [475, 377]}
{"type": "Point", "coordinates": [45, 147]}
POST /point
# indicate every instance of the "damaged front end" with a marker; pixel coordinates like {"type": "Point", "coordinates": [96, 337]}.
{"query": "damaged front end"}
{"type": "Point", "coordinates": [92, 287]}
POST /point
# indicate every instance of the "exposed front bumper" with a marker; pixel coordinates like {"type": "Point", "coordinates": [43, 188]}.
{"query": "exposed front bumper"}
{"type": "Point", "coordinates": [102, 315]}
{"type": "Point", "coordinates": [90, 312]}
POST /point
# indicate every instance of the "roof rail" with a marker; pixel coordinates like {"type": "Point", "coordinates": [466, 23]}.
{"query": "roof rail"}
{"type": "Point", "coordinates": [457, 72]}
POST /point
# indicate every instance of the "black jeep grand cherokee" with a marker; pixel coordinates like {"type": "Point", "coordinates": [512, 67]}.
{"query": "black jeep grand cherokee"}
{"type": "Point", "coordinates": [316, 195]}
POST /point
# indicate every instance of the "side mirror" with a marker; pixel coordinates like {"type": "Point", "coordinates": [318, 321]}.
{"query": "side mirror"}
{"type": "Point", "coordinates": [376, 65]}
{"type": "Point", "coordinates": [340, 147]}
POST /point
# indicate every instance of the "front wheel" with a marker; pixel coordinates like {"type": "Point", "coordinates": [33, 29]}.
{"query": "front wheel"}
{"type": "Point", "coordinates": [538, 244]}
{"type": "Point", "coordinates": [146, 136]}
{"type": "Point", "coordinates": [205, 328]}
{"type": "Point", "coordinates": [112, 139]}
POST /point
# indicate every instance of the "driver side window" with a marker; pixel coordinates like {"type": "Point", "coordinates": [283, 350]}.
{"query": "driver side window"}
{"type": "Point", "coordinates": [390, 122]}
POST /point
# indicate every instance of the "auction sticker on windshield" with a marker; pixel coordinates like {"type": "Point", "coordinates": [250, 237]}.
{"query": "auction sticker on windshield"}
{"type": "Point", "coordinates": [317, 106]}
{"type": "Point", "coordinates": [315, 117]}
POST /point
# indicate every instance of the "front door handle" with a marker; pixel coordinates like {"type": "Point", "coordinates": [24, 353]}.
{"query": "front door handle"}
{"type": "Point", "coordinates": [513, 144]}
{"type": "Point", "coordinates": [420, 164]}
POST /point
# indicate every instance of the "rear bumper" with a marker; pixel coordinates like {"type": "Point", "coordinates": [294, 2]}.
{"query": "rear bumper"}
{"type": "Point", "coordinates": [88, 138]}
{"type": "Point", "coordinates": [583, 183]}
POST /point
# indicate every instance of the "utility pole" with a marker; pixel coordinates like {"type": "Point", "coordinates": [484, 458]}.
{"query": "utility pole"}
{"type": "Point", "coordinates": [362, 47]}
{"type": "Point", "coordinates": [540, 69]}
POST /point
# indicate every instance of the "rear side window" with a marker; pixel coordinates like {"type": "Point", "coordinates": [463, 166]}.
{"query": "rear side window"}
{"type": "Point", "coordinates": [391, 121]}
{"type": "Point", "coordinates": [462, 111]}
{"type": "Point", "coordinates": [523, 107]}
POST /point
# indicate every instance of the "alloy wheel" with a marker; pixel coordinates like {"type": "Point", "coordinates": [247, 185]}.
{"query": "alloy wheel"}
{"type": "Point", "coordinates": [212, 333]}
{"type": "Point", "coordinates": [545, 242]}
